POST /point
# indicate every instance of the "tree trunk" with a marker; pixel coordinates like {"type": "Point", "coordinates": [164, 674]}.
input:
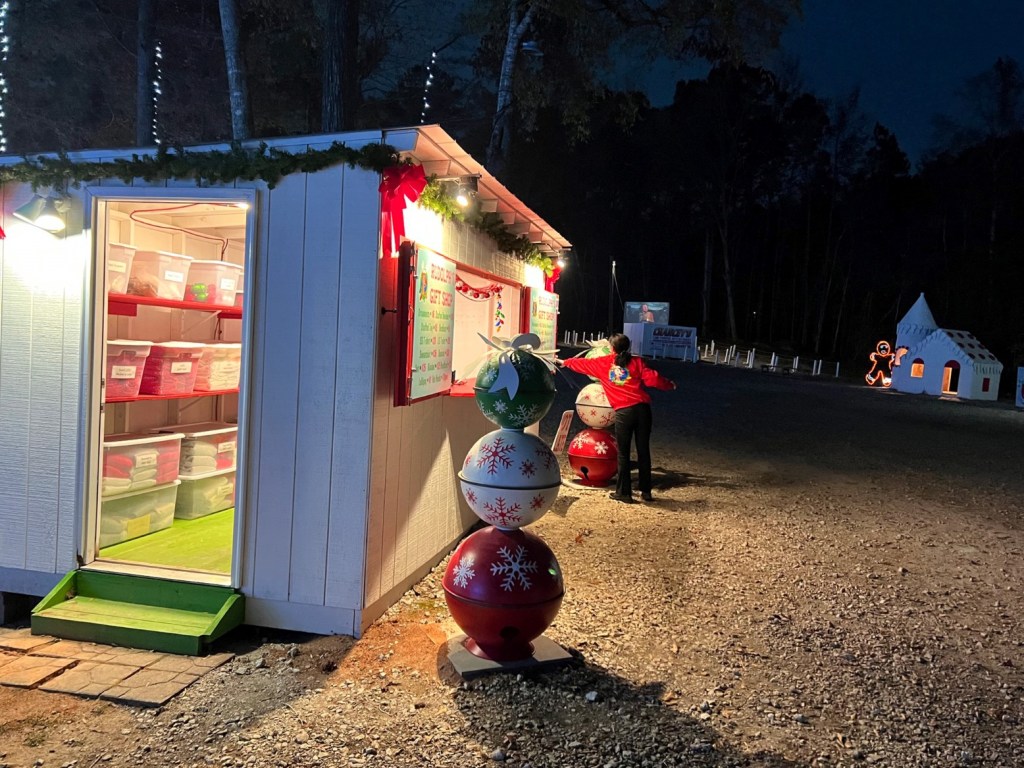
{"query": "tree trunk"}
{"type": "Point", "coordinates": [145, 112]}
{"type": "Point", "coordinates": [501, 127]}
{"type": "Point", "coordinates": [730, 305]}
{"type": "Point", "coordinates": [705, 294]}
{"type": "Point", "coordinates": [332, 17]}
{"type": "Point", "coordinates": [238, 91]}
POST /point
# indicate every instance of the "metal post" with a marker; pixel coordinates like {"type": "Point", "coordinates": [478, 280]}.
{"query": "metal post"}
{"type": "Point", "coordinates": [611, 301]}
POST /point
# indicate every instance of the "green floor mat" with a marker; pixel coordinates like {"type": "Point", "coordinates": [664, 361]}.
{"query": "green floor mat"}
{"type": "Point", "coordinates": [203, 544]}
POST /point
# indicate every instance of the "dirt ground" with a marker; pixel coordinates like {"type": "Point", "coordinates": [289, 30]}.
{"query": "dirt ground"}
{"type": "Point", "coordinates": [829, 575]}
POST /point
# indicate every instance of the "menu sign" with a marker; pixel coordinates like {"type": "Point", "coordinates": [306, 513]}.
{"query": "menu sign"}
{"type": "Point", "coordinates": [544, 317]}
{"type": "Point", "coordinates": [433, 325]}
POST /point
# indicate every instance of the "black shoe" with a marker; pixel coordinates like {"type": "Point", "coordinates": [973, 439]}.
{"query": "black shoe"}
{"type": "Point", "coordinates": [646, 496]}
{"type": "Point", "coordinates": [619, 497]}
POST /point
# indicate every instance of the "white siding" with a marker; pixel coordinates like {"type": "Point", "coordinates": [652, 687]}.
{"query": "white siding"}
{"type": "Point", "coordinates": [42, 288]}
{"type": "Point", "coordinates": [416, 508]}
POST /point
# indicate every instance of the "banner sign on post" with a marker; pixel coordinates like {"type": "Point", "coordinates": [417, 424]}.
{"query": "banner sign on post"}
{"type": "Point", "coordinates": [1020, 387]}
{"type": "Point", "coordinates": [433, 325]}
{"type": "Point", "coordinates": [544, 317]}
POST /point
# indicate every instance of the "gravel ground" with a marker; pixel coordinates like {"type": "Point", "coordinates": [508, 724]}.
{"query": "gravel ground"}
{"type": "Point", "coordinates": [829, 576]}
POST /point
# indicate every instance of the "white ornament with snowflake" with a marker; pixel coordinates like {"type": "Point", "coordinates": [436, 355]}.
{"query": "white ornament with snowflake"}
{"type": "Point", "coordinates": [593, 408]}
{"type": "Point", "coordinates": [508, 508]}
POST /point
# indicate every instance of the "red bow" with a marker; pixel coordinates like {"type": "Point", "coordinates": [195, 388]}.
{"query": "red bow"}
{"type": "Point", "coordinates": [400, 187]}
{"type": "Point", "coordinates": [549, 282]}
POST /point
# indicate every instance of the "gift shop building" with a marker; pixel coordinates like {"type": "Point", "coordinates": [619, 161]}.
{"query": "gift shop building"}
{"type": "Point", "coordinates": [242, 400]}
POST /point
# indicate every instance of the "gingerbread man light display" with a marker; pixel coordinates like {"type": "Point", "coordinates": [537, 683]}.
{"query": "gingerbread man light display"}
{"type": "Point", "coordinates": [881, 365]}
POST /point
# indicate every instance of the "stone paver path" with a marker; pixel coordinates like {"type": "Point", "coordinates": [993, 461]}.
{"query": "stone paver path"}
{"type": "Point", "coordinates": [125, 675]}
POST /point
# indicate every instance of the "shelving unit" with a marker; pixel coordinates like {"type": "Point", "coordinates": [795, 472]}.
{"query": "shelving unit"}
{"type": "Point", "coordinates": [161, 319]}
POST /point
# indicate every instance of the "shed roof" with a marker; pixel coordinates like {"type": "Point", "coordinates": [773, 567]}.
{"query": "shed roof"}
{"type": "Point", "coordinates": [441, 155]}
{"type": "Point", "coordinates": [428, 145]}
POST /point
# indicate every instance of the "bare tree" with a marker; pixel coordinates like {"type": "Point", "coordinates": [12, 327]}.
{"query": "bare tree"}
{"type": "Point", "coordinates": [339, 29]}
{"type": "Point", "coordinates": [237, 89]}
{"type": "Point", "coordinates": [144, 52]}
{"type": "Point", "coordinates": [501, 126]}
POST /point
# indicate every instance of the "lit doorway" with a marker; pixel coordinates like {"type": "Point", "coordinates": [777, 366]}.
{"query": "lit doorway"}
{"type": "Point", "coordinates": [951, 378]}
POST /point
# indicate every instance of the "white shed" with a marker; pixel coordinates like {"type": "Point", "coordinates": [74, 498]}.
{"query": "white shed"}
{"type": "Point", "coordinates": [939, 361]}
{"type": "Point", "coordinates": [339, 475]}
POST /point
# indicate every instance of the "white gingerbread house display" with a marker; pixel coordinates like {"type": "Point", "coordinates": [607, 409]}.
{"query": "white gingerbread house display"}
{"type": "Point", "coordinates": [939, 361]}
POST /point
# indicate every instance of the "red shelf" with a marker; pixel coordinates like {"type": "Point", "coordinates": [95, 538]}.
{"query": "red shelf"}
{"type": "Point", "coordinates": [126, 304]}
{"type": "Point", "coordinates": [139, 398]}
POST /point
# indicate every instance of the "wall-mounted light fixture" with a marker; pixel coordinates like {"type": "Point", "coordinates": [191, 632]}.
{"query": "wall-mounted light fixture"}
{"type": "Point", "coordinates": [467, 190]}
{"type": "Point", "coordinates": [43, 212]}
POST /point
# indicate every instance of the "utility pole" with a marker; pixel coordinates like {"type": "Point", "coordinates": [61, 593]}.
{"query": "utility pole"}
{"type": "Point", "coordinates": [611, 301]}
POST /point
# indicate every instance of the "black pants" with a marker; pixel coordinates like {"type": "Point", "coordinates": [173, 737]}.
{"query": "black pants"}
{"type": "Point", "coordinates": [633, 422]}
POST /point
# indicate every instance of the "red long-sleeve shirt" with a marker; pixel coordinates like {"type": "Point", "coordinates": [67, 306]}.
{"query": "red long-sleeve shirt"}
{"type": "Point", "coordinates": [623, 386]}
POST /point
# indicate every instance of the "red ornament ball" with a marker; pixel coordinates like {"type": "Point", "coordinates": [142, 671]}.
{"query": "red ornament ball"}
{"type": "Point", "coordinates": [503, 588]}
{"type": "Point", "coordinates": [594, 457]}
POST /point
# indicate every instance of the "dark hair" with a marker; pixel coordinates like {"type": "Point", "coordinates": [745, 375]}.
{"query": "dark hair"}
{"type": "Point", "coordinates": [620, 346]}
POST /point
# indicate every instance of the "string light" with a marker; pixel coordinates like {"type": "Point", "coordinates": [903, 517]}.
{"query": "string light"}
{"type": "Point", "coordinates": [158, 82]}
{"type": "Point", "coordinates": [426, 87]}
{"type": "Point", "coordinates": [4, 49]}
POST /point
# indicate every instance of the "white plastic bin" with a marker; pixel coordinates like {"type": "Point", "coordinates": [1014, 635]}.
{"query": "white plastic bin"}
{"type": "Point", "coordinates": [135, 514]}
{"type": "Point", "coordinates": [205, 494]}
{"type": "Point", "coordinates": [220, 367]}
{"type": "Point", "coordinates": [213, 282]}
{"type": "Point", "coordinates": [159, 274]}
{"type": "Point", "coordinates": [126, 360]}
{"type": "Point", "coordinates": [134, 462]}
{"type": "Point", "coordinates": [209, 446]}
{"type": "Point", "coordinates": [171, 368]}
{"type": "Point", "coordinates": [119, 266]}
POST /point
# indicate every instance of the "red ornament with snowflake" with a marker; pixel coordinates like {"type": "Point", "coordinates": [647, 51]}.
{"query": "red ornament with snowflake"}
{"type": "Point", "coordinates": [594, 457]}
{"type": "Point", "coordinates": [503, 588]}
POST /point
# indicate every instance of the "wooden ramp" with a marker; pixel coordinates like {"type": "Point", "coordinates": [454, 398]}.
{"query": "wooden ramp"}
{"type": "Point", "coordinates": [138, 612]}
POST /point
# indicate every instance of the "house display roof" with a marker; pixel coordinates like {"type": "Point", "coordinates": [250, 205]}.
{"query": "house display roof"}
{"type": "Point", "coordinates": [969, 346]}
{"type": "Point", "coordinates": [919, 315]}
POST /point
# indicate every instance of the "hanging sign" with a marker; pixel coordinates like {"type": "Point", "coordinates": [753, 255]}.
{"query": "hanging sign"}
{"type": "Point", "coordinates": [433, 326]}
{"type": "Point", "coordinates": [543, 319]}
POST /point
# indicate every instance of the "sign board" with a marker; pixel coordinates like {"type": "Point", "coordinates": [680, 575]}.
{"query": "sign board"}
{"type": "Point", "coordinates": [674, 341]}
{"type": "Point", "coordinates": [433, 325]}
{"type": "Point", "coordinates": [562, 435]}
{"type": "Point", "coordinates": [645, 312]}
{"type": "Point", "coordinates": [543, 319]}
{"type": "Point", "coordinates": [1020, 387]}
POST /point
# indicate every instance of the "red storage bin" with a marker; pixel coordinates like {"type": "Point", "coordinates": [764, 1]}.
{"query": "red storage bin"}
{"type": "Point", "coordinates": [133, 462]}
{"type": "Point", "coordinates": [126, 361]}
{"type": "Point", "coordinates": [171, 368]}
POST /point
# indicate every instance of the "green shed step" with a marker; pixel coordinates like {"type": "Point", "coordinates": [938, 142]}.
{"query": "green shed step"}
{"type": "Point", "coordinates": [138, 612]}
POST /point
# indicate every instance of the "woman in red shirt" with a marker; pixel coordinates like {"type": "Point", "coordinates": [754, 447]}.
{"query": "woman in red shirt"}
{"type": "Point", "coordinates": [623, 378]}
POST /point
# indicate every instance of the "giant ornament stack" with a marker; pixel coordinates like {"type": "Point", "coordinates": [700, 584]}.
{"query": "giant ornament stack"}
{"type": "Point", "coordinates": [503, 584]}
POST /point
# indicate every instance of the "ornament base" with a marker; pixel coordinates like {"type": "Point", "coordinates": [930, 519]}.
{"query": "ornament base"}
{"type": "Point", "coordinates": [545, 653]}
{"type": "Point", "coordinates": [581, 485]}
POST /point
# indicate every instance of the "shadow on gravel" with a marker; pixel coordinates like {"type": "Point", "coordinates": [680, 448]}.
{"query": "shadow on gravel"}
{"type": "Point", "coordinates": [585, 715]}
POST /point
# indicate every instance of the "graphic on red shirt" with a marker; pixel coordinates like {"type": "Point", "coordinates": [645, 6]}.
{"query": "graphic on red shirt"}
{"type": "Point", "coordinates": [618, 375]}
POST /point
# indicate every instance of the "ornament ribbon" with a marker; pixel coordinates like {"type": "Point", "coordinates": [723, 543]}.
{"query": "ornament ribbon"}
{"type": "Point", "coordinates": [508, 376]}
{"type": "Point", "coordinates": [401, 186]}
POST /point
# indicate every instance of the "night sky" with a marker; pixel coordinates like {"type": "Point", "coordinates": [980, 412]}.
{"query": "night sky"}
{"type": "Point", "coordinates": [910, 57]}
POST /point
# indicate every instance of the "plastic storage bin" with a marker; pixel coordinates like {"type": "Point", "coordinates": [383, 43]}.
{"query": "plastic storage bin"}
{"type": "Point", "coordinates": [159, 274]}
{"type": "Point", "coordinates": [209, 446]}
{"type": "Point", "coordinates": [204, 495]}
{"type": "Point", "coordinates": [213, 282]}
{"type": "Point", "coordinates": [171, 368]}
{"type": "Point", "coordinates": [133, 462]}
{"type": "Point", "coordinates": [135, 514]}
{"type": "Point", "coordinates": [126, 361]}
{"type": "Point", "coordinates": [220, 367]}
{"type": "Point", "coordinates": [119, 266]}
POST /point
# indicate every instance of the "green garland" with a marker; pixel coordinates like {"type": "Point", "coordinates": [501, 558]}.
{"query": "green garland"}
{"type": "Point", "coordinates": [207, 167]}
{"type": "Point", "coordinates": [435, 198]}
{"type": "Point", "coordinates": [268, 164]}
